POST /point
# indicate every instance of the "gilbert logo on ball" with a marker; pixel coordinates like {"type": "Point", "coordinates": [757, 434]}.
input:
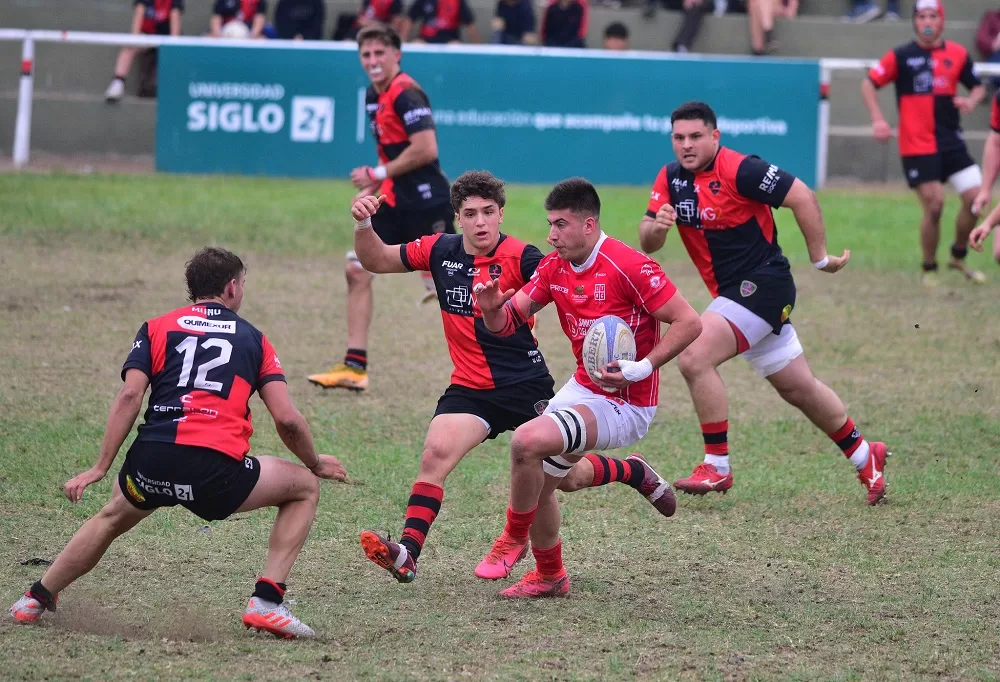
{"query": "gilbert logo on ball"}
{"type": "Point", "coordinates": [608, 339]}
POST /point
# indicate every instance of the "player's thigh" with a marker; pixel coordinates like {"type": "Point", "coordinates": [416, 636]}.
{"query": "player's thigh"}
{"type": "Point", "coordinates": [931, 195]}
{"type": "Point", "coordinates": [280, 481]}
{"type": "Point", "coordinates": [121, 510]}
{"type": "Point", "coordinates": [425, 222]}
{"type": "Point", "coordinates": [921, 170]}
{"type": "Point", "coordinates": [715, 345]}
{"type": "Point", "coordinates": [962, 173]}
{"type": "Point", "coordinates": [771, 357]}
{"type": "Point", "coordinates": [450, 437]}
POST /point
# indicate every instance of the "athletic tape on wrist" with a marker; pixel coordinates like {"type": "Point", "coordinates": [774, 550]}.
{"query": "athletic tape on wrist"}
{"type": "Point", "coordinates": [362, 224]}
{"type": "Point", "coordinates": [820, 264]}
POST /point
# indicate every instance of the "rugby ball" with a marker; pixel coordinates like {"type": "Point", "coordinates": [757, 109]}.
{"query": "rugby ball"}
{"type": "Point", "coordinates": [608, 339]}
{"type": "Point", "coordinates": [236, 29]}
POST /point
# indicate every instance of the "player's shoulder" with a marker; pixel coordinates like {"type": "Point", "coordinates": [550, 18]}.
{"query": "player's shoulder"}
{"type": "Point", "coordinates": [907, 49]}
{"type": "Point", "coordinates": [549, 265]}
{"type": "Point", "coordinates": [621, 254]}
{"type": "Point", "coordinates": [511, 246]}
{"type": "Point", "coordinates": [441, 242]}
{"type": "Point", "coordinates": [404, 81]}
{"type": "Point", "coordinates": [728, 162]}
{"type": "Point", "coordinates": [955, 50]}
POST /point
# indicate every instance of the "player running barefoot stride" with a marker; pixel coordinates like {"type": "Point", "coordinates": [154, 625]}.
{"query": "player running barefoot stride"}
{"type": "Point", "coordinates": [722, 201]}
{"type": "Point", "coordinates": [499, 382]}
{"type": "Point", "coordinates": [589, 275]}
{"type": "Point", "coordinates": [202, 362]}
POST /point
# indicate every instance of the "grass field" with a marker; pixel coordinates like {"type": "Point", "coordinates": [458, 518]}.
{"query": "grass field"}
{"type": "Point", "coordinates": [789, 576]}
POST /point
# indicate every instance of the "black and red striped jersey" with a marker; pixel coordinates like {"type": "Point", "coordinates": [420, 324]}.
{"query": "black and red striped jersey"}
{"type": "Point", "coordinates": [441, 18]}
{"type": "Point", "coordinates": [204, 362]}
{"type": "Point", "coordinates": [402, 110]}
{"type": "Point", "coordinates": [482, 359]}
{"type": "Point", "coordinates": [724, 214]}
{"type": "Point", "coordinates": [926, 85]}
{"type": "Point", "coordinates": [239, 10]}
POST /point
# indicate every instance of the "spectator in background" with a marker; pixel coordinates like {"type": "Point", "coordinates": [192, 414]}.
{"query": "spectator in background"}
{"type": "Point", "coordinates": [564, 23]}
{"type": "Point", "coordinates": [694, 11]}
{"type": "Point", "coordinates": [151, 17]}
{"type": "Point", "coordinates": [988, 41]}
{"type": "Point", "coordinates": [250, 13]}
{"type": "Point", "coordinates": [616, 37]}
{"type": "Point", "coordinates": [864, 11]}
{"type": "Point", "coordinates": [300, 19]}
{"type": "Point", "coordinates": [372, 13]}
{"type": "Point", "coordinates": [514, 23]}
{"type": "Point", "coordinates": [761, 14]}
{"type": "Point", "coordinates": [440, 21]}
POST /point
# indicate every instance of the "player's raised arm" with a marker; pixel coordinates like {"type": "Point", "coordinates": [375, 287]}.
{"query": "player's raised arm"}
{"type": "Point", "coordinates": [121, 417]}
{"type": "Point", "coordinates": [504, 311]}
{"type": "Point", "coordinates": [660, 215]}
{"type": "Point", "coordinates": [373, 254]}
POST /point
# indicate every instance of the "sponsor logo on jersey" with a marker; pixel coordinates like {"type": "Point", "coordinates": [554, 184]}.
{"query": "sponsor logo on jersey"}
{"type": "Point", "coordinates": [200, 324]}
{"type": "Point", "coordinates": [770, 181]}
{"type": "Point", "coordinates": [495, 271]}
{"type": "Point", "coordinates": [599, 292]}
{"type": "Point", "coordinates": [577, 327]}
{"type": "Point", "coordinates": [714, 186]}
{"type": "Point", "coordinates": [557, 287]}
{"type": "Point", "coordinates": [646, 269]}
{"type": "Point", "coordinates": [137, 345]}
{"type": "Point", "coordinates": [207, 312]}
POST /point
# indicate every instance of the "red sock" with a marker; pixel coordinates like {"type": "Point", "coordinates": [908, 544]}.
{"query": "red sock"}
{"type": "Point", "coordinates": [716, 435]}
{"type": "Point", "coordinates": [847, 438]}
{"type": "Point", "coordinates": [518, 523]}
{"type": "Point", "coordinates": [549, 561]}
{"type": "Point", "coordinates": [611, 470]}
{"type": "Point", "coordinates": [421, 510]}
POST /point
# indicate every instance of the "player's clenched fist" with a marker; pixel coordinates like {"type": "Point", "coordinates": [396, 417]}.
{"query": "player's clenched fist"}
{"type": "Point", "coordinates": [881, 130]}
{"type": "Point", "coordinates": [365, 207]}
{"type": "Point", "coordinates": [666, 217]}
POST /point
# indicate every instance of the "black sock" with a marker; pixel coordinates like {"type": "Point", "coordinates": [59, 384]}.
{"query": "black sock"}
{"type": "Point", "coordinates": [269, 590]}
{"type": "Point", "coordinates": [356, 357]}
{"type": "Point", "coordinates": [411, 547]}
{"type": "Point", "coordinates": [44, 597]}
{"type": "Point", "coordinates": [957, 253]}
{"type": "Point", "coordinates": [769, 37]}
{"type": "Point", "coordinates": [638, 473]}
{"type": "Point", "coordinates": [929, 267]}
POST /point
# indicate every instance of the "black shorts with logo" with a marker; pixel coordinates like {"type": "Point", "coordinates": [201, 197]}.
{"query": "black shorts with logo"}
{"type": "Point", "coordinates": [936, 167]}
{"type": "Point", "coordinates": [206, 482]}
{"type": "Point", "coordinates": [504, 409]}
{"type": "Point", "coordinates": [398, 226]}
{"type": "Point", "coordinates": [768, 292]}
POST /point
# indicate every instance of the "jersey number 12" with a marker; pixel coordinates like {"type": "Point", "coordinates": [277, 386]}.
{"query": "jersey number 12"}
{"type": "Point", "coordinates": [188, 347]}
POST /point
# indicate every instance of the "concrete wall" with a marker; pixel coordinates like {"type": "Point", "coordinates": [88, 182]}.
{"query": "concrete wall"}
{"type": "Point", "coordinates": [70, 116]}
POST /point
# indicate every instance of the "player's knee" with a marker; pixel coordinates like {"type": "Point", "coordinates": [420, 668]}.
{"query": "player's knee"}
{"type": "Point", "coordinates": [934, 207]}
{"type": "Point", "coordinates": [526, 445]}
{"type": "Point", "coordinates": [308, 486]}
{"type": "Point", "coordinates": [798, 394]}
{"type": "Point", "coordinates": [357, 276]}
{"type": "Point", "coordinates": [434, 458]}
{"type": "Point", "coordinates": [691, 362]}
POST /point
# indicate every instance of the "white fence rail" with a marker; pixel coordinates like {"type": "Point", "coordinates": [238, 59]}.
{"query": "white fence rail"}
{"type": "Point", "coordinates": [22, 128]}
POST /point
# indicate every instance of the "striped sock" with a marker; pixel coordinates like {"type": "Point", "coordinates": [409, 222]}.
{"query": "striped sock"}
{"type": "Point", "coordinates": [549, 561]}
{"type": "Point", "coordinates": [356, 357]}
{"type": "Point", "coordinates": [421, 510]}
{"type": "Point", "coordinates": [611, 470]}
{"type": "Point", "coordinates": [848, 439]}
{"type": "Point", "coordinates": [716, 435]}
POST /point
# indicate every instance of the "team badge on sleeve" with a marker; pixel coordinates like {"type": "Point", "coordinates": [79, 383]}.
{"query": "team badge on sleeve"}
{"type": "Point", "coordinates": [747, 288]}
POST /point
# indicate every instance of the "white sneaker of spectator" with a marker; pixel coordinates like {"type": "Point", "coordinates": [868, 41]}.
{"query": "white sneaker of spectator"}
{"type": "Point", "coordinates": [115, 90]}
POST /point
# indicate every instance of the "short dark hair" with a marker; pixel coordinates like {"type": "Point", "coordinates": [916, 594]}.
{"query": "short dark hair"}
{"type": "Point", "coordinates": [616, 29]}
{"type": "Point", "coordinates": [575, 194]}
{"type": "Point", "coordinates": [383, 34]}
{"type": "Point", "coordinates": [210, 270]}
{"type": "Point", "coordinates": [695, 111]}
{"type": "Point", "coordinates": [477, 183]}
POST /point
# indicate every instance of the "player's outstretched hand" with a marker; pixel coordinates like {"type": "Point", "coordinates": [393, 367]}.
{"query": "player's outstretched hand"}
{"type": "Point", "coordinates": [978, 236]}
{"type": "Point", "coordinates": [361, 176]}
{"type": "Point", "coordinates": [490, 296]}
{"type": "Point", "coordinates": [366, 206]}
{"type": "Point", "coordinates": [837, 263]}
{"type": "Point", "coordinates": [666, 218]}
{"type": "Point", "coordinates": [881, 130]}
{"type": "Point", "coordinates": [981, 204]}
{"type": "Point", "coordinates": [330, 468]}
{"type": "Point", "coordinates": [75, 486]}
